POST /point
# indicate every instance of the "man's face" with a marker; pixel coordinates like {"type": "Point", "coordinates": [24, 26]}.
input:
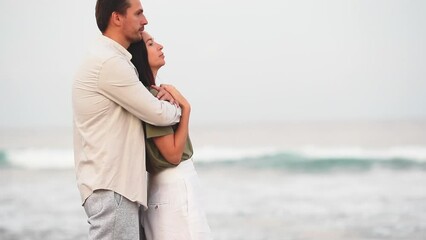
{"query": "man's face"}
{"type": "Point", "coordinates": [134, 22]}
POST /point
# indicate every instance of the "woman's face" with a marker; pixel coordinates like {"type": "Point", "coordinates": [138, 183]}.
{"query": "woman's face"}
{"type": "Point", "coordinates": [155, 53]}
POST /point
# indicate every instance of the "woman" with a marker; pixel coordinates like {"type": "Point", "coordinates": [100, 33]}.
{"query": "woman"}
{"type": "Point", "coordinates": [174, 210]}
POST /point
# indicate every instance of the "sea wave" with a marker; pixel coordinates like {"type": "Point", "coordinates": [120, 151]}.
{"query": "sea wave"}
{"type": "Point", "coordinates": [33, 158]}
{"type": "Point", "coordinates": [309, 158]}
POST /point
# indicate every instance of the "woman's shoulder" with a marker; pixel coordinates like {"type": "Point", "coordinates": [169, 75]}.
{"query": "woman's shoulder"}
{"type": "Point", "coordinates": [153, 91]}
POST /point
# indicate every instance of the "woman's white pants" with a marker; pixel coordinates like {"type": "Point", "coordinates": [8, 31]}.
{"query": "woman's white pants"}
{"type": "Point", "coordinates": [175, 210]}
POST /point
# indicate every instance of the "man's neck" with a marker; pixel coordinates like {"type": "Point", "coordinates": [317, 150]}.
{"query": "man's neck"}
{"type": "Point", "coordinates": [116, 37]}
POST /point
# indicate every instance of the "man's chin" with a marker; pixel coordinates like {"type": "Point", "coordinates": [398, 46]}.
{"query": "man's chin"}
{"type": "Point", "coordinates": [136, 38]}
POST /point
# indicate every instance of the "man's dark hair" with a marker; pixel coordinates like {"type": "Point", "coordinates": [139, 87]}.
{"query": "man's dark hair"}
{"type": "Point", "coordinates": [105, 8]}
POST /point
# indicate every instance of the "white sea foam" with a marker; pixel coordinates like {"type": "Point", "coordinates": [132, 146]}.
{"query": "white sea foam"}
{"type": "Point", "coordinates": [41, 158]}
{"type": "Point", "coordinates": [217, 154]}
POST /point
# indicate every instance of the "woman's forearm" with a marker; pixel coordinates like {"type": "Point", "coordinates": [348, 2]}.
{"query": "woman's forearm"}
{"type": "Point", "coordinates": [172, 146]}
{"type": "Point", "coordinates": [181, 134]}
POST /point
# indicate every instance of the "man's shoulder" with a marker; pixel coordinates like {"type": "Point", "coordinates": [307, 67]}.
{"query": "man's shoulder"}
{"type": "Point", "coordinates": [97, 58]}
{"type": "Point", "coordinates": [102, 52]}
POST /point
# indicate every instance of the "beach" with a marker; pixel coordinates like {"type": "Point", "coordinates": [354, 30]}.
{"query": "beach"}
{"type": "Point", "coordinates": [359, 183]}
{"type": "Point", "coordinates": [240, 204]}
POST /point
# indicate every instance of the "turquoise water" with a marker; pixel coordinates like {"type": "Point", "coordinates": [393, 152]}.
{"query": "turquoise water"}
{"type": "Point", "coordinates": [298, 163]}
{"type": "Point", "coordinates": [3, 159]}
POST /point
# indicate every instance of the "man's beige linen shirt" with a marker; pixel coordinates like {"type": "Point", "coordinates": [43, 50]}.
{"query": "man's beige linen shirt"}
{"type": "Point", "coordinates": [109, 103]}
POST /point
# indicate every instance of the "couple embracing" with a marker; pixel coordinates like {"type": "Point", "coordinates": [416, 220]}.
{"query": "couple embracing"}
{"type": "Point", "coordinates": [125, 125]}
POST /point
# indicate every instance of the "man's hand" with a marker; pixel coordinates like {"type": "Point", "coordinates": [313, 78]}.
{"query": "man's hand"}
{"type": "Point", "coordinates": [163, 94]}
{"type": "Point", "coordinates": [183, 103]}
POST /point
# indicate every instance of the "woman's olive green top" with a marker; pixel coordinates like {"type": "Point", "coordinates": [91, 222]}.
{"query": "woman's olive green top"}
{"type": "Point", "coordinates": [155, 162]}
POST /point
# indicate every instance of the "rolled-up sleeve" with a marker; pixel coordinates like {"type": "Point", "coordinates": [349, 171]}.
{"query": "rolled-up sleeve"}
{"type": "Point", "coordinates": [119, 83]}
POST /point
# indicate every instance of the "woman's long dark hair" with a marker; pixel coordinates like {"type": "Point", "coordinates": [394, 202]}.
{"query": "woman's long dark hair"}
{"type": "Point", "coordinates": [140, 60]}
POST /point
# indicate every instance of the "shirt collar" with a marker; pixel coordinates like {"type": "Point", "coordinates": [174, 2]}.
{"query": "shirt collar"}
{"type": "Point", "coordinates": [117, 46]}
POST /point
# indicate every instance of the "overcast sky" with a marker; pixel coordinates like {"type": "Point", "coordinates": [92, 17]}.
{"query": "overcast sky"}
{"type": "Point", "coordinates": [235, 60]}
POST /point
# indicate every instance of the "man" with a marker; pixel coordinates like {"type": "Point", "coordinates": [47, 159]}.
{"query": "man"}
{"type": "Point", "coordinates": [109, 103]}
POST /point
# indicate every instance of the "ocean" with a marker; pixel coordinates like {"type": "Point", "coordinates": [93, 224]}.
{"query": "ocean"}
{"type": "Point", "coordinates": [275, 181]}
